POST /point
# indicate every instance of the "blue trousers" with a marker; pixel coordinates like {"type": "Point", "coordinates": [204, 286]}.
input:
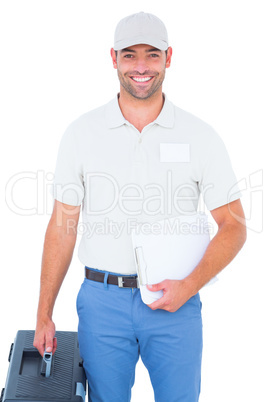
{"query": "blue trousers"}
{"type": "Point", "coordinates": [116, 327]}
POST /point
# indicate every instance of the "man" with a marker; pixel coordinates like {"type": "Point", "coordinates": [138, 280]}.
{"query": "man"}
{"type": "Point", "coordinates": [109, 160]}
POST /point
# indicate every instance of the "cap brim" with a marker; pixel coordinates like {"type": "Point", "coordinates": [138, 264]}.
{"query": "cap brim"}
{"type": "Point", "coordinates": [158, 44]}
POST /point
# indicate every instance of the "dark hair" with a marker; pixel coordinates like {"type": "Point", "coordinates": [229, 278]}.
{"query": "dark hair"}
{"type": "Point", "coordinates": [116, 53]}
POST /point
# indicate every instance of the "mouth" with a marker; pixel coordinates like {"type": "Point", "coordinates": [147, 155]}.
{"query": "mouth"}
{"type": "Point", "coordinates": [141, 79]}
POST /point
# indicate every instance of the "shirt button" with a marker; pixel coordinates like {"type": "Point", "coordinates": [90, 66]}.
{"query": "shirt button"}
{"type": "Point", "coordinates": [140, 140]}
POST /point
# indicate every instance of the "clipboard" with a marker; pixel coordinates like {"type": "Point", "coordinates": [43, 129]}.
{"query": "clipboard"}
{"type": "Point", "coordinates": [170, 250]}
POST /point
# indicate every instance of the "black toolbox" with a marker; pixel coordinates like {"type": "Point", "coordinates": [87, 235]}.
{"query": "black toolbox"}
{"type": "Point", "coordinates": [53, 379]}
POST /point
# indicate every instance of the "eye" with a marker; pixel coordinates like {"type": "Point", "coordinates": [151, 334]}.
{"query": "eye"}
{"type": "Point", "coordinates": [154, 55]}
{"type": "Point", "coordinates": [128, 56]}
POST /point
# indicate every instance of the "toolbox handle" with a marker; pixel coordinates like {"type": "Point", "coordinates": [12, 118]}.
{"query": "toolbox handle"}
{"type": "Point", "coordinates": [46, 364]}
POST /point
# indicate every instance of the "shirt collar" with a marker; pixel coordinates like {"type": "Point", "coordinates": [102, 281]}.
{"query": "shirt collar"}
{"type": "Point", "coordinates": [114, 117]}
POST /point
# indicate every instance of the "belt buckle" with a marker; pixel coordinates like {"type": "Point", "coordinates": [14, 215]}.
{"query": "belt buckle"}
{"type": "Point", "coordinates": [120, 282]}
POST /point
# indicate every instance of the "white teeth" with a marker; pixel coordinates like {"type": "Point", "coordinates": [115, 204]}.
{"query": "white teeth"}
{"type": "Point", "coordinates": [141, 79]}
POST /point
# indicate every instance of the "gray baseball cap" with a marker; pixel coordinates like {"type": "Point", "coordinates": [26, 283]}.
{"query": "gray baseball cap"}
{"type": "Point", "coordinates": [140, 28]}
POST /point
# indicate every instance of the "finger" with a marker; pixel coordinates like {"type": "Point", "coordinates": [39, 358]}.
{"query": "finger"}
{"type": "Point", "coordinates": [40, 346]}
{"type": "Point", "coordinates": [55, 344]}
{"type": "Point", "coordinates": [160, 303]}
{"type": "Point", "coordinates": [157, 286]}
{"type": "Point", "coordinates": [49, 343]}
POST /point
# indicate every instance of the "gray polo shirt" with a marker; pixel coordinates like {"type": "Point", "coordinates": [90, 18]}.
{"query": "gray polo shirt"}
{"type": "Point", "coordinates": [123, 177]}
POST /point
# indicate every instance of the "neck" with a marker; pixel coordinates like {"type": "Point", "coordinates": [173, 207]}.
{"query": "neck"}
{"type": "Point", "coordinates": [140, 112]}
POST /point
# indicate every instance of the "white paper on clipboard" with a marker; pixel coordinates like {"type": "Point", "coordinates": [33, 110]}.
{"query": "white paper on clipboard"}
{"type": "Point", "coordinates": [170, 250]}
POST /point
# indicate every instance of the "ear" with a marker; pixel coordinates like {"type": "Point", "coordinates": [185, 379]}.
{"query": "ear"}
{"type": "Point", "coordinates": [113, 56]}
{"type": "Point", "coordinates": [169, 54]}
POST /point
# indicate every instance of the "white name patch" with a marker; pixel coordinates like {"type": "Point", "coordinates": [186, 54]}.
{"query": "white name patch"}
{"type": "Point", "coordinates": [174, 152]}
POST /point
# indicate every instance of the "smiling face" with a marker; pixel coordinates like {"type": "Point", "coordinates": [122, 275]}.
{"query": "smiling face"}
{"type": "Point", "coordinates": [141, 69]}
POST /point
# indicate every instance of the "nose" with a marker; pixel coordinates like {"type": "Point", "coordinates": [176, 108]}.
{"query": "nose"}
{"type": "Point", "coordinates": [141, 65]}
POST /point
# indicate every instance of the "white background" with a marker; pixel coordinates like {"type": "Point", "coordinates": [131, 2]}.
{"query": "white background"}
{"type": "Point", "coordinates": [55, 65]}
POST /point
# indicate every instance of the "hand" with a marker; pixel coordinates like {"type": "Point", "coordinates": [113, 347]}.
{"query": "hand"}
{"type": "Point", "coordinates": [175, 294]}
{"type": "Point", "coordinates": [44, 339]}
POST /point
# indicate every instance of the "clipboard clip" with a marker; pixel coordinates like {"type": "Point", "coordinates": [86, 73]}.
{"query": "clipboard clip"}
{"type": "Point", "coordinates": [141, 266]}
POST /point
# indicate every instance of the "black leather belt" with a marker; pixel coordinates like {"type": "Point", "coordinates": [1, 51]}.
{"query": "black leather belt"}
{"type": "Point", "coordinates": [121, 281]}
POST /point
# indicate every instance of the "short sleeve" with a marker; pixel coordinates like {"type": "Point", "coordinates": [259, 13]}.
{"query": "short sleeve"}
{"type": "Point", "coordinates": [68, 184]}
{"type": "Point", "coordinates": [218, 183]}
